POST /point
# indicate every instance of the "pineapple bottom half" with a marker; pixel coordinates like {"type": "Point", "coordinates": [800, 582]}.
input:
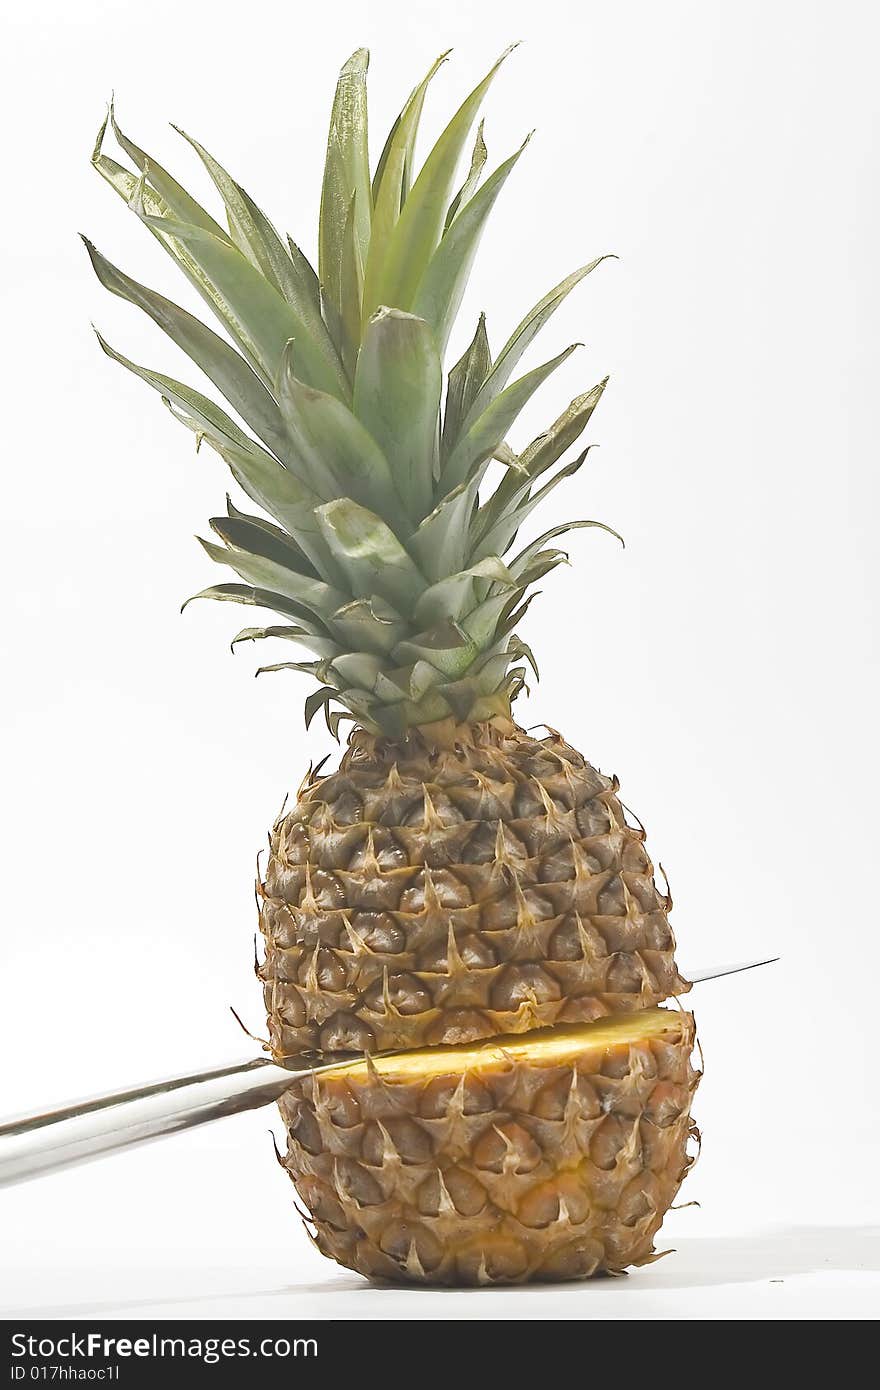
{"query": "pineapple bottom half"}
{"type": "Point", "coordinates": [549, 1156]}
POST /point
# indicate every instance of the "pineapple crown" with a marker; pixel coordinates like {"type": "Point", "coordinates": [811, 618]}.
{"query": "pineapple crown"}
{"type": "Point", "coordinates": [384, 558]}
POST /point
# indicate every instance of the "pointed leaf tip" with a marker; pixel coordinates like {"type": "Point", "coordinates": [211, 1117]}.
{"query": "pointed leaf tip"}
{"type": "Point", "coordinates": [419, 229]}
{"type": "Point", "coordinates": [358, 62]}
{"type": "Point", "coordinates": [99, 141]}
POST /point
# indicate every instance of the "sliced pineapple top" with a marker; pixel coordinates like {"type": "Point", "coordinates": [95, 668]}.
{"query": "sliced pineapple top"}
{"type": "Point", "coordinates": [379, 543]}
{"type": "Point", "coordinates": [546, 1047]}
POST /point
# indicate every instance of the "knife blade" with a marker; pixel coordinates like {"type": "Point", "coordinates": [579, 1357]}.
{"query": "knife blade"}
{"type": "Point", "coordinates": [34, 1145]}
{"type": "Point", "coordinates": [697, 977]}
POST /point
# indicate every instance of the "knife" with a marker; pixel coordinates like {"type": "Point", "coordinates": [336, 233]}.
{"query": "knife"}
{"type": "Point", "coordinates": [34, 1145]}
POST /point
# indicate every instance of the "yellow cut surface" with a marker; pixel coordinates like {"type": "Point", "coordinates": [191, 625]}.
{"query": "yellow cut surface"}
{"type": "Point", "coordinates": [545, 1047]}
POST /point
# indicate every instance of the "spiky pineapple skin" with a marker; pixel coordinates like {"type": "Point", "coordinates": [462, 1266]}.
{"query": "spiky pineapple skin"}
{"type": "Point", "coordinates": [422, 896]}
{"type": "Point", "coordinates": [534, 1171]}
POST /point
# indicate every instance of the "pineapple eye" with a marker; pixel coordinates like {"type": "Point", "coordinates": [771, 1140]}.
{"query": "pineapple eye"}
{"type": "Point", "coordinates": [507, 1148]}
{"type": "Point", "coordinates": [379, 933]}
{"type": "Point", "coordinates": [452, 1190]}
{"type": "Point", "coordinates": [402, 993]}
{"type": "Point", "coordinates": [345, 1032]}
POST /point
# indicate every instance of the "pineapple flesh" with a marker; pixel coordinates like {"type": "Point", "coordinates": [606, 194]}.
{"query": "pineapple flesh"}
{"type": "Point", "coordinates": [457, 891]}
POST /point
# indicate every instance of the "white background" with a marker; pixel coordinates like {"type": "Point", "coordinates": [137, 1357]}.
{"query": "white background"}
{"type": "Point", "coordinates": [724, 665]}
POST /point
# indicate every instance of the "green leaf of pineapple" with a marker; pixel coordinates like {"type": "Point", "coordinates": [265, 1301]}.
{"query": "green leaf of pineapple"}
{"type": "Point", "coordinates": [420, 225]}
{"type": "Point", "coordinates": [357, 669]}
{"type": "Point", "coordinates": [519, 564]}
{"type": "Point", "coordinates": [445, 647]}
{"type": "Point", "coordinates": [397, 396]}
{"type": "Point", "coordinates": [263, 572]}
{"type": "Point", "coordinates": [453, 596]}
{"type": "Point", "coordinates": [341, 458]}
{"type": "Point", "coordinates": [540, 455]}
{"type": "Point", "coordinates": [374, 549]}
{"type": "Point", "coordinates": [478, 163]}
{"type": "Point", "coordinates": [208, 415]}
{"type": "Point", "coordinates": [524, 333]}
{"type": "Point", "coordinates": [274, 488]}
{"type": "Point", "coordinates": [369, 624]}
{"type": "Point", "coordinates": [370, 554]}
{"type": "Point", "coordinates": [390, 187]}
{"type": "Point", "coordinates": [483, 622]}
{"type": "Point", "coordinates": [153, 212]}
{"type": "Point", "coordinates": [351, 289]}
{"type": "Point", "coordinates": [498, 539]}
{"type": "Point", "coordinates": [346, 176]}
{"type": "Point", "coordinates": [542, 564]}
{"type": "Point", "coordinates": [443, 283]}
{"type": "Point", "coordinates": [440, 544]}
{"type": "Point", "coordinates": [179, 203]}
{"type": "Point", "coordinates": [487, 432]}
{"type": "Point", "coordinates": [319, 699]}
{"type": "Point", "coordinates": [261, 538]}
{"type": "Point", "coordinates": [253, 597]}
{"type": "Point", "coordinates": [228, 370]}
{"type": "Point", "coordinates": [285, 267]}
{"type": "Point", "coordinates": [278, 491]}
{"type": "Point", "coordinates": [322, 647]}
{"type": "Point", "coordinates": [465, 380]}
{"type": "Point", "coordinates": [263, 316]}
{"type": "Point", "coordinates": [252, 240]}
{"type": "Point", "coordinates": [308, 284]}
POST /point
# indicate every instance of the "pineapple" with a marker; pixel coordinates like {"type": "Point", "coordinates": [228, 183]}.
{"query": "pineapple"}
{"type": "Point", "coordinates": [457, 892]}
